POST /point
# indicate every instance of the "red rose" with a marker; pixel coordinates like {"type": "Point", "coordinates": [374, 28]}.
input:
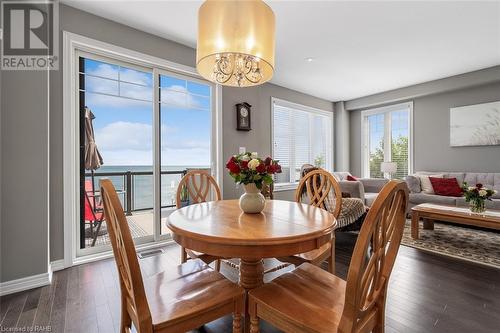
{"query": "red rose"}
{"type": "Point", "coordinates": [261, 168]}
{"type": "Point", "coordinates": [244, 165]}
{"type": "Point", "coordinates": [271, 168]}
{"type": "Point", "coordinates": [233, 168]}
{"type": "Point", "coordinates": [232, 165]}
{"type": "Point", "coordinates": [268, 161]}
{"type": "Point", "coordinates": [232, 159]}
{"type": "Point", "coordinates": [278, 168]}
{"type": "Point", "coordinates": [479, 185]}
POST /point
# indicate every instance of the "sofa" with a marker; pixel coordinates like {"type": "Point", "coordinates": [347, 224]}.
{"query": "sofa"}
{"type": "Point", "coordinates": [489, 180]}
{"type": "Point", "coordinates": [368, 188]}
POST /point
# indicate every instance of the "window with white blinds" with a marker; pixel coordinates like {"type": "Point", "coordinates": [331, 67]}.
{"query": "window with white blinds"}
{"type": "Point", "coordinates": [387, 137]}
{"type": "Point", "coordinates": [301, 135]}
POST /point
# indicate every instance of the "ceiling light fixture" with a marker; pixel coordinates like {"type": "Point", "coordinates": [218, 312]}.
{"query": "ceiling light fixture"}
{"type": "Point", "coordinates": [309, 59]}
{"type": "Point", "coordinates": [235, 42]}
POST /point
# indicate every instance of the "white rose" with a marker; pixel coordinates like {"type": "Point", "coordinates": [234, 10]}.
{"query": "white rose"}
{"type": "Point", "coordinates": [483, 193]}
{"type": "Point", "coordinates": [254, 155]}
{"type": "Point", "coordinates": [245, 158]}
{"type": "Point", "coordinates": [471, 188]}
{"type": "Point", "coordinates": [253, 164]}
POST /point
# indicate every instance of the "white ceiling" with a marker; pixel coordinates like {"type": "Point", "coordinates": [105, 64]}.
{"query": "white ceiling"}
{"type": "Point", "coordinates": [359, 48]}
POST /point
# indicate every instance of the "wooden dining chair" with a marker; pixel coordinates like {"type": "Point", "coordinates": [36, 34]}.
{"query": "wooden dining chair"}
{"type": "Point", "coordinates": [195, 187]}
{"type": "Point", "coordinates": [309, 299]}
{"type": "Point", "coordinates": [178, 299]}
{"type": "Point", "coordinates": [322, 190]}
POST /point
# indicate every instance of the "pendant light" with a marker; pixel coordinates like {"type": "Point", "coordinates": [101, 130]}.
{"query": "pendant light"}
{"type": "Point", "coordinates": [235, 42]}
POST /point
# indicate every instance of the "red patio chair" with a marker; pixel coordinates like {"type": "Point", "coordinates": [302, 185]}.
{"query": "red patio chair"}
{"type": "Point", "coordinates": [94, 212]}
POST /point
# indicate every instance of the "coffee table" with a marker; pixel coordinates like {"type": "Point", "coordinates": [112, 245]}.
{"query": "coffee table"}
{"type": "Point", "coordinates": [461, 215]}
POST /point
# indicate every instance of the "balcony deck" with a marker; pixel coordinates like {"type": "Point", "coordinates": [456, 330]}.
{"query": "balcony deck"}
{"type": "Point", "coordinates": [140, 223]}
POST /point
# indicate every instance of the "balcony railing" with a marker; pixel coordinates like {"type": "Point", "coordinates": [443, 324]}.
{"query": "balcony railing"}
{"type": "Point", "coordinates": [126, 187]}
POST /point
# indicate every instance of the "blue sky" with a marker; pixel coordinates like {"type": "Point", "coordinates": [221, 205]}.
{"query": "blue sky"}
{"type": "Point", "coordinates": [124, 126]}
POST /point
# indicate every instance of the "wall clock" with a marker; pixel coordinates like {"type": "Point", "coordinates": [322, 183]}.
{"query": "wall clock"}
{"type": "Point", "coordinates": [243, 117]}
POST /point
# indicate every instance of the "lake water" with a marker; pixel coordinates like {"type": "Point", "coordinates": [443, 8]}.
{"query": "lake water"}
{"type": "Point", "coordinates": [143, 184]}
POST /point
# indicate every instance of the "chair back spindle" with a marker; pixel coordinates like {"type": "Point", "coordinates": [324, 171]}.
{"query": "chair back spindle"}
{"type": "Point", "coordinates": [198, 185]}
{"type": "Point", "coordinates": [322, 190]}
{"type": "Point", "coordinates": [131, 284]}
{"type": "Point", "coordinates": [370, 270]}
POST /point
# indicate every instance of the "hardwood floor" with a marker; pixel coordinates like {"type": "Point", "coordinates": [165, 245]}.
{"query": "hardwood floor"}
{"type": "Point", "coordinates": [427, 293]}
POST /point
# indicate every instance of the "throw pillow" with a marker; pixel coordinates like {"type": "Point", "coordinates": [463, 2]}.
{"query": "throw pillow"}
{"type": "Point", "coordinates": [351, 178]}
{"type": "Point", "coordinates": [413, 183]}
{"type": "Point", "coordinates": [446, 186]}
{"type": "Point", "coordinates": [426, 183]}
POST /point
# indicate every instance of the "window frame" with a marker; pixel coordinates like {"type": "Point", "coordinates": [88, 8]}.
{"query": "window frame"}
{"type": "Point", "coordinates": [310, 110]}
{"type": "Point", "coordinates": [365, 140]}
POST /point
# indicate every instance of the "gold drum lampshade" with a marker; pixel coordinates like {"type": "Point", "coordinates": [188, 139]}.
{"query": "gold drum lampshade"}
{"type": "Point", "coordinates": [235, 42]}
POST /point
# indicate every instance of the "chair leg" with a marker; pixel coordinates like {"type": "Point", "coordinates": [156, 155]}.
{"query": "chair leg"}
{"type": "Point", "coordinates": [254, 324]}
{"type": "Point", "coordinates": [277, 268]}
{"type": "Point", "coordinates": [252, 313]}
{"type": "Point", "coordinates": [217, 265]}
{"type": "Point", "coordinates": [331, 259]}
{"type": "Point", "coordinates": [237, 322]}
{"type": "Point", "coordinates": [97, 232]}
{"type": "Point", "coordinates": [183, 255]}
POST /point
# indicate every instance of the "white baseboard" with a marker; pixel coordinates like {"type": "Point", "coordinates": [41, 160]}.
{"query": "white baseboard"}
{"type": "Point", "coordinates": [57, 265]}
{"type": "Point", "coordinates": [29, 282]}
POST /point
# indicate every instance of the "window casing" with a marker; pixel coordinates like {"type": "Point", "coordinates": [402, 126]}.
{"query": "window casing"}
{"type": "Point", "coordinates": [390, 126]}
{"type": "Point", "coordinates": [300, 135]}
{"type": "Point", "coordinates": [75, 47]}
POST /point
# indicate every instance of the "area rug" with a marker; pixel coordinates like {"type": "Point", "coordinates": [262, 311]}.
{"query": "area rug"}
{"type": "Point", "coordinates": [479, 246]}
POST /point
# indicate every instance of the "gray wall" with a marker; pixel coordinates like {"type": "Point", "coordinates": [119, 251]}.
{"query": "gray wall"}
{"type": "Point", "coordinates": [259, 138]}
{"type": "Point", "coordinates": [431, 116]}
{"type": "Point", "coordinates": [82, 23]}
{"type": "Point", "coordinates": [23, 173]}
{"type": "Point", "coordinates": [342, 137]}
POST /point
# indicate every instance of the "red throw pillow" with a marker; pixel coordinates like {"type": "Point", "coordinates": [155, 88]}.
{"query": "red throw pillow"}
{"type": "Point", "coordinates": [446, 186]}
{"type": "Point", "coordinates": [351, 178]}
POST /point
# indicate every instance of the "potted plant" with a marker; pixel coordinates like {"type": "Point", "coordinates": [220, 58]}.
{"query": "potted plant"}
{"type": "Point", "coordinates": [251, 171]}
{"type": "Point", "coordinates": [476, 196]}
{"type": "Point", "coordinates": [184, 196]}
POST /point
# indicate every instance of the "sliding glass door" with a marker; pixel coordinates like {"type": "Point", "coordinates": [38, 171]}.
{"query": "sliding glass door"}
{"type": "Point", "coordinates": [145, 142]}
{"type": "Point", "coordinates": [185, 133]}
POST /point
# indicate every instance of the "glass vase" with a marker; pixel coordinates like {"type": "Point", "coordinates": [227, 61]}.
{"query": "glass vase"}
{"type": "Point", "coordinates": [477, 206]}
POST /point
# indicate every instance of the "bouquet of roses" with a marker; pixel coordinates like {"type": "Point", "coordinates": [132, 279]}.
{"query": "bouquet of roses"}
{"type": "Point", "coordinates": [248, 168]}
{"type": "Point", "coordinates": [478, 192]}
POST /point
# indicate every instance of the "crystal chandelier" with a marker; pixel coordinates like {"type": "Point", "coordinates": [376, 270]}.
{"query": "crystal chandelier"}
{"type": "Point", "coordinates": [235, 42]}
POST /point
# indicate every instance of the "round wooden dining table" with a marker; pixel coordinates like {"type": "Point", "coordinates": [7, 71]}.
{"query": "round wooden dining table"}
{"type": "Point", "coordinates": [221, 229]}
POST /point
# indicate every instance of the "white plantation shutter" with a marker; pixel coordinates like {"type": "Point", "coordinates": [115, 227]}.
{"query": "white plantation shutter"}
{"type": "Point", "coordinates": [301, 135]}
{"type": "Point", "coordinates": [282, 143]}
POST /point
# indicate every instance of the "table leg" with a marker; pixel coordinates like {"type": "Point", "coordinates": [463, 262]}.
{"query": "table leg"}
{"type": "Point", "coordinates": [251, 277]}
{"type": "Point", "coordinates": [428, 224]}
{"type": "Point", "coordinates": [414, 224]}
